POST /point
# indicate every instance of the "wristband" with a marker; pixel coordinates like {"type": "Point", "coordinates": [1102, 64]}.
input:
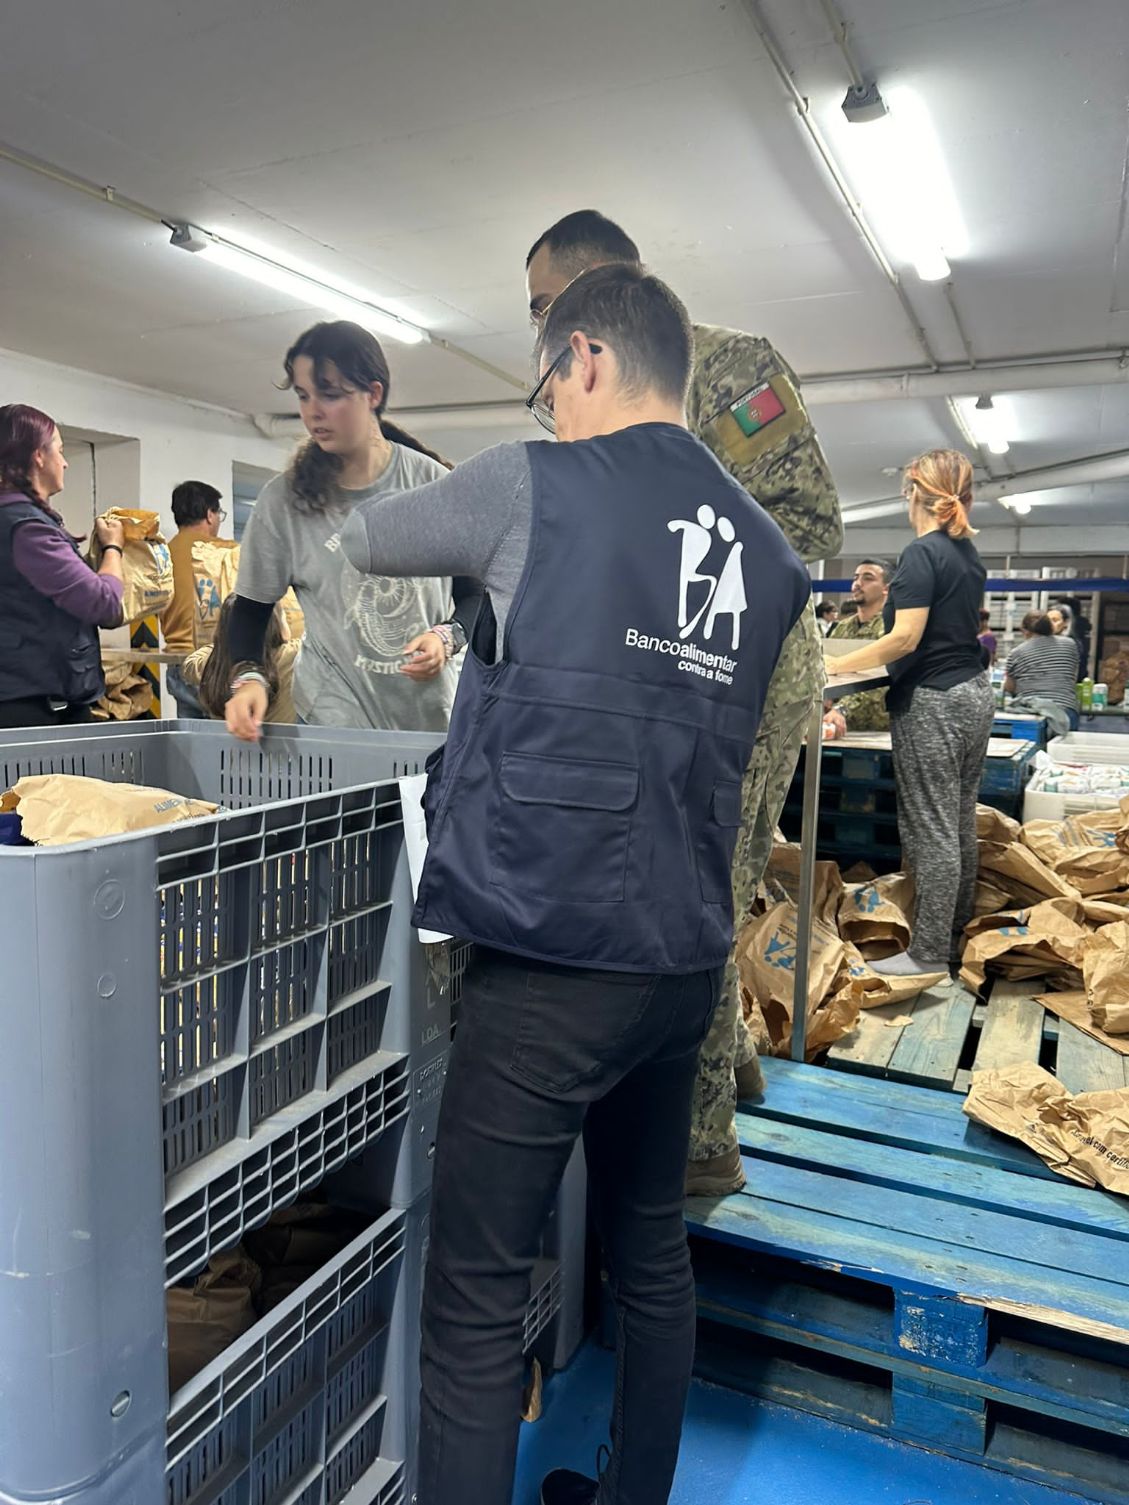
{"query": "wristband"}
{"type": "Point", "coordinates": [447, 638]}
{"type": "Point", "coordinates": [106, 547]}
{"type": "Point", "coordinates": [251, 677]}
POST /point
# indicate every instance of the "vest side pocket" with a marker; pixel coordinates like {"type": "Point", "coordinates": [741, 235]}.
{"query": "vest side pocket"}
{"type": "Point", "coordinates": [563, 828]}
{"type": "Point", "coordinates": [716, 843]}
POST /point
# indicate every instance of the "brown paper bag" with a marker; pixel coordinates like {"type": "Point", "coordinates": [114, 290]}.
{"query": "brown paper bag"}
{"type": "Point", "coordinates": [1082, 849]}
{"type": "Point", "coordinates": [1022, 1101]}
{"type": "Point", "coordinates": [1021, 873]}
{"type": "Point", "coordinates": [128, 695]}
{"type": "Point", "coordinates": [782, 882]}
{"type": "Point", "coordinates": [295, 617]}
{"type": "Point", "coordinates": [1085, 1138]}
{"type": "Point", "coordinates": [989, 898]}
{"type": "Point", "coordinates": [146, 563]}
{"type": "Point", "coordinates": [876, 915]}
{"type": "Point", "coordinates": [870, 990]}
{"type": "Point", "coordinates": [766, 966]}
{"type": "Point", "coordinates": [1075, 1009]}
{"type": "Point", "coordinates": [215, 565]}
{"type": "Point", "coordinates": [55, 808]}
{"type": "Point", "coordinates": [1026, 943]}
{"type": "Point", "coordinates": [203, 1321]}
{"type": "Point", "coordinates": [1105, 969]}
{"type": "Point", "coordinates": [1107, 910]}
{"type": "Point", "coordinates": [994, 825]}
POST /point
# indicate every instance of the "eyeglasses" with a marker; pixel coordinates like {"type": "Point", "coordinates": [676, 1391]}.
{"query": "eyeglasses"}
{"type": "Point", "coordinates": [537, 404]}
{"type": "Point", "coordinates": [223, 514]}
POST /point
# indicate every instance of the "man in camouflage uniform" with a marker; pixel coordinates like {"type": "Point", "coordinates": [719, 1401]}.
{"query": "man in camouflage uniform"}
{"type": "Point", "coordinates": [744, 404]}
{"type": "Point", "coordinates": [865, 711]}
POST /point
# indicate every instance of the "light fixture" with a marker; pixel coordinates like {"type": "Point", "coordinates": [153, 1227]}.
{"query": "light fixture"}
{"type": "Point", "coordinates": [901, 177]}
{"type": "Point", "coordinates": [1018, 504]}
{"type": "Point", "coordinates": [306, 288]}
{"type": "Point", "coordinates": [990, 420]}
{"type": "Point", "coordinates": [870, 511]}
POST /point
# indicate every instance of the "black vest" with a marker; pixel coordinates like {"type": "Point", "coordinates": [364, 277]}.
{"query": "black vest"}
{"type": "Point", "coordinates": [44, 651]}
{"type": "Point", "coordinates": [587, 802]}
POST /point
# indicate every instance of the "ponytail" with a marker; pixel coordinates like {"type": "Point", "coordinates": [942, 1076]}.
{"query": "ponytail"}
{"type": "Point", "coordinates": [401, 436]}
{"type": "Point", "coordinates": [940, 481]}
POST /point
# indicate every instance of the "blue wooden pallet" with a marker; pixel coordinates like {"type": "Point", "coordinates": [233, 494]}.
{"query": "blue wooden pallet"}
{"type": "Point", "coordinates": [896, 1266]}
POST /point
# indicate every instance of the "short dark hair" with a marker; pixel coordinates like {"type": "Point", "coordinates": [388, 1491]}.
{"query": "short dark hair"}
{"type": "Point", "coordinates": [192, 501]}
{"type": "Point", "coordinates": [826, 609]}
{"type": "Point", "coordinates": [638, 316]}
{"type": "Point", "coordinates": [879, 564]}
{"type": "Point", "coordinates": [1039, 623]}
{"type": "Point", "coordinates": [585, 239]}
{"type": "Point", "coordinates": [985, 614]}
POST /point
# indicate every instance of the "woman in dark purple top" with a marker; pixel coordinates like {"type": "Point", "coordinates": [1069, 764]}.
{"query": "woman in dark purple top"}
{"type": "Point", "coordinates": [52, 601]}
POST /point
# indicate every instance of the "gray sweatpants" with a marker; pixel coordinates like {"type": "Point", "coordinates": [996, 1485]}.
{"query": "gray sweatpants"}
{"type": "Point", "coordinates": [939, 743]}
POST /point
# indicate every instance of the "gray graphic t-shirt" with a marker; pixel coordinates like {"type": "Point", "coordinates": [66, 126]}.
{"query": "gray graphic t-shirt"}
{"type": "Point", "coordinates": [356, 625]}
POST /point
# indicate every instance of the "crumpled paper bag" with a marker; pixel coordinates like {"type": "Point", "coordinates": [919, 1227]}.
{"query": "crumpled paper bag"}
{"type": "Point", "coordinates": [1084, 1138]}
{"type": "Point", "coordinates": [1042, 940]}
{"type": "Point", "coordinates": [994, 825]}
{"type": "Point", "coordinates": [218, 1308]}
{"type": "Point", "coordinates": [1075, 1009]}
{"type": "Point", "coordinates": [766, 966]}
{"type": "Point", "coordinates": [55, 808]}
{"type": "Point", "coordinates": [876, 915]}
{"type": "Point", "coordinates": [1021, 872]}
{"type": "Point", "coordinates": [128, 694]}
{"type": "Point", "coordinates": [782, 882]}
{"type": "Point", "coordinates": [1105, 969]}
{"type": "Point", "coordinates": [1082, 849]}
{"type": "Point", "coordinates": [871, 990]}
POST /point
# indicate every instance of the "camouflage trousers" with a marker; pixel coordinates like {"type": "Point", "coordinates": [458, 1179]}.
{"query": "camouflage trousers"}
{"type": "Point", "coordinates": [795, 688]}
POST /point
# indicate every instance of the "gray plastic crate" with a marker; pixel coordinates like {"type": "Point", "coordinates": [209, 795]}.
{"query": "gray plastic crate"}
{"type": "Point", "coordinates": [310, 1403]}
{"type": "Point", "coordinates": [199, 1023]}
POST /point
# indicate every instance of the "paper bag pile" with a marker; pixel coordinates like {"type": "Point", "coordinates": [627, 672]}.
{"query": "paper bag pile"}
{"type": "Point", "coordinates": [1066, 911]}
{"type": "Point", "coordinates": [851, 922]}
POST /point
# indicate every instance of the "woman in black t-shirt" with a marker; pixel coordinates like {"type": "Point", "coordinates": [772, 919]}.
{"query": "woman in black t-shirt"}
{"type": "Point", "coordinates": [941, 705]}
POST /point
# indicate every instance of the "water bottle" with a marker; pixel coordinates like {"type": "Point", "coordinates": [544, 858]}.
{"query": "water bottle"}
{"type": "Point", "coordinates": [1099, 700]}
{"type": "Point", "coordinates": [1086, 694]}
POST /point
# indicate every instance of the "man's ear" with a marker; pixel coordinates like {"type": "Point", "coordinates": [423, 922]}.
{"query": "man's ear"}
{"type": "Point", "coordinates": [582, 353]}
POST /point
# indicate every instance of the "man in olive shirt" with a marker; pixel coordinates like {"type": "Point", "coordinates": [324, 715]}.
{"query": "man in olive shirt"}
{"type": "Point", "coordinates": [744, 404]}
{"type": "Point", "coordinates": [197, 513]}
{"type": "Point", "coordinates": [866, 711]}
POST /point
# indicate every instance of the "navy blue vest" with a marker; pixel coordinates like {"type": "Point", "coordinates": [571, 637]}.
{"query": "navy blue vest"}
{"type": "Point", "coordinates": [586, 805]}
{"type": "Point", "coordinates": [44, 651]}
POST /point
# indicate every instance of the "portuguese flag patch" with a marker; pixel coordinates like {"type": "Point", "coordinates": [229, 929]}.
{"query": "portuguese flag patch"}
{"type": "Point", "coordinates": [756, 409]}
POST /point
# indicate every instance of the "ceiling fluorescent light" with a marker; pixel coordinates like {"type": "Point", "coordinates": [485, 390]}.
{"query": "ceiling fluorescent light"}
{"type": "Point", "coordinates": [307, 290]}
{"type": "Point", "coordinates": [898, 167]}
{"type": "Point", "coordinates": [869, 512]}
{"type": "Point", "coordinates": [990, 420]}
{"type": "Point", "coordinates": [1018, 504]}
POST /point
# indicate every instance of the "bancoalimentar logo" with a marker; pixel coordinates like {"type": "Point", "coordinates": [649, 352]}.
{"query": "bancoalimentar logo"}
{"type": "Point", "coordinates": [703, 598]}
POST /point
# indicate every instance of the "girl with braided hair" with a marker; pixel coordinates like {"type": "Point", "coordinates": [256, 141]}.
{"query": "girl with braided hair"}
{"type": "Point", "coordinates": [940, 702]}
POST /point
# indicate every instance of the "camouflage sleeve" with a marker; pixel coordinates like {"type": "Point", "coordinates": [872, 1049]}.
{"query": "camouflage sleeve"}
{"type": "Point", "coordinates": [866, 711]}
{"type": "Point", "coordinates": [745, 404]}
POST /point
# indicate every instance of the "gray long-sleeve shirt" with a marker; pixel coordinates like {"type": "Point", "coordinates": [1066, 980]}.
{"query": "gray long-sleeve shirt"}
{"type": "Point", "coordinates": [475, 520]}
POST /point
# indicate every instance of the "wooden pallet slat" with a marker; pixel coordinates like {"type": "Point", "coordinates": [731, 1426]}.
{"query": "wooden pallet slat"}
{"type": "Point", "coordinates": [1086, 1065]}
{"type": "Point", "coordinates": [1013, 1028]}
{"type": "Point", "coordinates": [930, 1051]}
{"type": "Point", "coordinates": [888, 1112]}
{"type": "Point", "coordinates": [1057, 1202]}
{"type": "Point", "coordinates": [872, 1042]}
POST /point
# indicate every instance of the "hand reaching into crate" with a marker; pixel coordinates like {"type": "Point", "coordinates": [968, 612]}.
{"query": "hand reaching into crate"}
{"type": "Point", "coordinates": [245, 710]}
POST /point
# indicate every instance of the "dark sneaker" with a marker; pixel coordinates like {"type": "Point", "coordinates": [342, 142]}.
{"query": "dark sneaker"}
{"type": "Point", "coordinates": [564, 1487]}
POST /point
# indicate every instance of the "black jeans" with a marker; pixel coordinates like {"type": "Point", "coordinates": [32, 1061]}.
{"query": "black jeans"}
{"type": "Point", "coordinates": [542, 1054]}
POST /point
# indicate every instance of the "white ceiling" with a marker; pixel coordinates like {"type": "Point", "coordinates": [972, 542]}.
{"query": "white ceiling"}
{"type": "Point", "coordinates": [417, 147]}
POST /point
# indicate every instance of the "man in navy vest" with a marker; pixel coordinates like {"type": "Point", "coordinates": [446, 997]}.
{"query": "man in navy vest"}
{"type": "Point", "coordinates": [582, 820]}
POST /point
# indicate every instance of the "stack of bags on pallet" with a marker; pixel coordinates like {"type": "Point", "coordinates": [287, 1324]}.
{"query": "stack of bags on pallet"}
{"type": "Point", "coordinates": [1053, 902]}
{"type": "Point", "coordinates": [856, 918]}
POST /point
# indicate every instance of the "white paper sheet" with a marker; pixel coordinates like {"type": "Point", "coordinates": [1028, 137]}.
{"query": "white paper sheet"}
{"type": "Point", "coordinates": [415, 838]}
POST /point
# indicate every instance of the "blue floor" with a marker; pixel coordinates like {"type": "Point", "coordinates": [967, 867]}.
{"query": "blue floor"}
{"type": "Point", "coordinates": [736, 1451]}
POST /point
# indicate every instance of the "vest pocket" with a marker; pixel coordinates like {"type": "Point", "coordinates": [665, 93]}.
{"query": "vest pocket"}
{"type": "Point", "coordinates": [563, 827]}
{"type": "Point", "coordinates": [715, 846]}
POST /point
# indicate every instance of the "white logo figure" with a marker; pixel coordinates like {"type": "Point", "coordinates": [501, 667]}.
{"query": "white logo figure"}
{"type": "Point", "coordinates": [725, 593]}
